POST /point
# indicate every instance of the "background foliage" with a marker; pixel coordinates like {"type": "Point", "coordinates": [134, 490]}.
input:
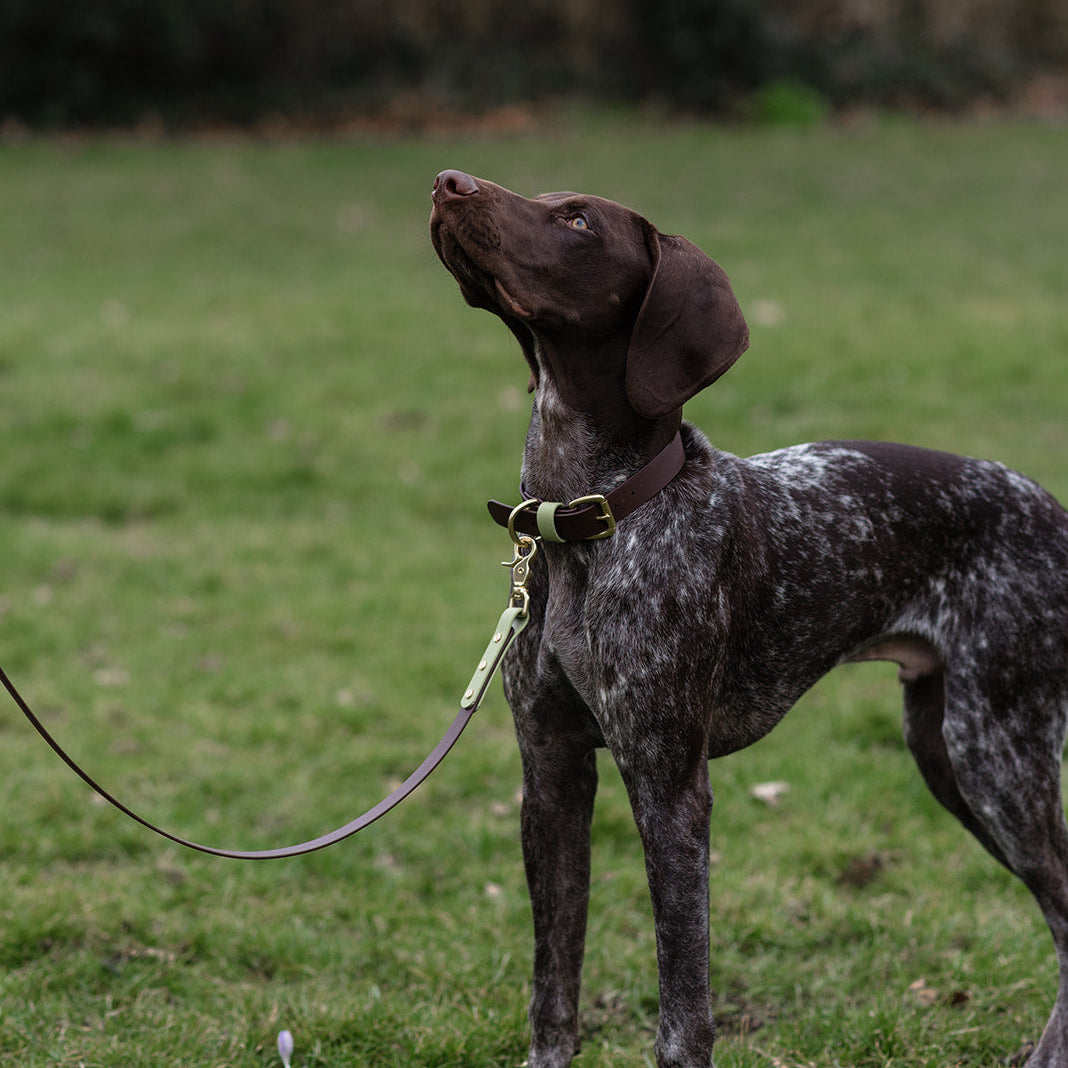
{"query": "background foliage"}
{"type": "Point", "coordinates": [120, 61]}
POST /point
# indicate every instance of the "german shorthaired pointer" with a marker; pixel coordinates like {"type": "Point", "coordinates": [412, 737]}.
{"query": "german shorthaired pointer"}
{"type": "Point", "coordinates": [691, 631]}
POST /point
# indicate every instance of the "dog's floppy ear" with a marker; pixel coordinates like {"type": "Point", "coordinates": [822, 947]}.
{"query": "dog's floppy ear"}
{"type": "Point", "coordinates": [689, 330]}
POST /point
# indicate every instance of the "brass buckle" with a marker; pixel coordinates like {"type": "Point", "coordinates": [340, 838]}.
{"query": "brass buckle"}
{"type": "Point", "coordinates": [606, 514]}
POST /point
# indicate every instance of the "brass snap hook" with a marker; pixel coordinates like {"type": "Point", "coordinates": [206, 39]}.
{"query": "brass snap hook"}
{"type": "Point", "coordinates": [524, 550]}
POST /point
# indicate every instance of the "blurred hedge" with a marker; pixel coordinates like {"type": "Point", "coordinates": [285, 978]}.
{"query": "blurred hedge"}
{"type": "Point", "coordinates": [116, 61]}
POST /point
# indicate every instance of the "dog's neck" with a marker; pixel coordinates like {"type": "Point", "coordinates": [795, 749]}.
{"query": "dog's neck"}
{"type": "Point", "coordinates": [575, 447]}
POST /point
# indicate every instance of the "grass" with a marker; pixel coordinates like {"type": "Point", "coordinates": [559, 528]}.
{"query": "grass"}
{"type": "Point", "coordinates": [247, 427]}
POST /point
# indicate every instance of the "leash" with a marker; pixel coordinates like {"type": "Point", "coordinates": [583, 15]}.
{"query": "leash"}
{"type": "Point", "coordinates": [587, 518]}
{"type": "Point", "coordinates": [511, 623]}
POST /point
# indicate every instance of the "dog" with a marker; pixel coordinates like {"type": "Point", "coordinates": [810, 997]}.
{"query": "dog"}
{"type": "Point", "coordinates": [689, 629]}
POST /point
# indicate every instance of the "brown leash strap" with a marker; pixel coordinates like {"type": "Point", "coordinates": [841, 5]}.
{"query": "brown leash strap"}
{"type": "Point", "coordinates": [594, 516]}
{"type": "Point", "coordinates": [407, 787]}
{"type": "Point", "coordinates": [510, 625]}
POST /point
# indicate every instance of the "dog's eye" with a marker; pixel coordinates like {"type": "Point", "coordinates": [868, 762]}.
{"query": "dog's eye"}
{"type": "Point", "coordinates": [578, 222]}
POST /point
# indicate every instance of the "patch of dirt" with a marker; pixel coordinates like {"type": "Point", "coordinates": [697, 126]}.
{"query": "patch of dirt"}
{"type": "Point", "coordinates": [1045, 97]}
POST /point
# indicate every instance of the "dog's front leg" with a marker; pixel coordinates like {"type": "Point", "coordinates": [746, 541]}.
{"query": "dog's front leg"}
{"type": "Point", "coordinates": [672, 805]}
{"type": "Point", "coordinates": [559, 783]}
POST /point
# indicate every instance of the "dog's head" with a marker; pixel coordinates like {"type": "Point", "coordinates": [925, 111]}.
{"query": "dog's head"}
{"type": "Point", "coordinates": [598, 298]}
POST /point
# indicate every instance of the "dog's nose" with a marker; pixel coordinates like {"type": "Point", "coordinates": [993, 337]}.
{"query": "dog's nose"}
{"type": "Point", "coordinates": [452, 185]}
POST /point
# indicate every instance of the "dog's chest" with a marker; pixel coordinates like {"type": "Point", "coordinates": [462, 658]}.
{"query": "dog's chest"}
{"type": "Point", "coordinates": [623, 614]}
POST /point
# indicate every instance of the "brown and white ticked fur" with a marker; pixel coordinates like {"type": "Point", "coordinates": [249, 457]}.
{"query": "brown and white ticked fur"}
{"type": "Point", "coordinates": [693, 629]}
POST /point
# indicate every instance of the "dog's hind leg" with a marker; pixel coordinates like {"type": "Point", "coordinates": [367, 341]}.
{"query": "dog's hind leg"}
{"type": "Point", "coordinates": [924, 715]}
{"type": "Point", "coordinates": [999, 771]}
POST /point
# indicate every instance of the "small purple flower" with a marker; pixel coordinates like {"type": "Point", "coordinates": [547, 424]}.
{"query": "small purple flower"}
{"type": "Point", "coordinates": [285, 1047]}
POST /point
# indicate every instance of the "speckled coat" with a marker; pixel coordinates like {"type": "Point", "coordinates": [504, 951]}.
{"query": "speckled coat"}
{"type": "Point", "coordinates": [693, 629]}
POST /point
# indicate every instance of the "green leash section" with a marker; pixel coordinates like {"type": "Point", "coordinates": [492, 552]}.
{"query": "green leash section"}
{"type": "Point", "coordinates": [512, 621]}
{"type": "Point", "coordinates": [509, 626]}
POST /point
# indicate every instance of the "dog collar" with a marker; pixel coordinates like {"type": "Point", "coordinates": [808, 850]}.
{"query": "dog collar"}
{"type": "Point", "coordinates": [595, 515]}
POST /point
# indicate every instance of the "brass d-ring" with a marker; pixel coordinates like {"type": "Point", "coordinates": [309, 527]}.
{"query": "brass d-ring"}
{"type": "Point", "coordinates": [515, 512]}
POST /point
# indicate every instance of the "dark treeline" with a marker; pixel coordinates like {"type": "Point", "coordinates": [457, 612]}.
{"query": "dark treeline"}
{"type": "Point", "coordinates": [118, 61]}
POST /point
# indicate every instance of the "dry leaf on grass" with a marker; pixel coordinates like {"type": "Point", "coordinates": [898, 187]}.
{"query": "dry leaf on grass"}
{"type": "Point", "coordinates": [769, 792]}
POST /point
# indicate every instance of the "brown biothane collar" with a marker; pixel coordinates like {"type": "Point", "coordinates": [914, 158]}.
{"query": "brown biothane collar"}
{"type": "Point", "coordinates": [596, 515]}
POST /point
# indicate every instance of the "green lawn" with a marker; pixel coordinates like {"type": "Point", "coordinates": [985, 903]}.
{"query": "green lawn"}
{"type": "Point", "coordinates": [247, 428]}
